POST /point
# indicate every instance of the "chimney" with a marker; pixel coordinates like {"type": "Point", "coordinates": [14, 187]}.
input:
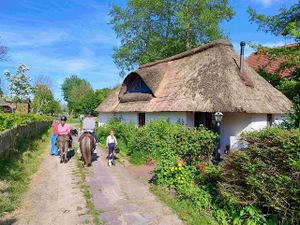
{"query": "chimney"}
{"type": "Point", "coordinates": [245, 77]}
{"type": "Point", "coordinates": [242, 44]}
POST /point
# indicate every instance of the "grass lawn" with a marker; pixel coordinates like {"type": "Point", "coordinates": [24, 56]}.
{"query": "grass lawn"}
{"type": "Point", "coordinates": [184, 209]}
{"type": "Point", "coordinates": [16, 170]}
{"type": "Point", "coordinates": [75, 121]}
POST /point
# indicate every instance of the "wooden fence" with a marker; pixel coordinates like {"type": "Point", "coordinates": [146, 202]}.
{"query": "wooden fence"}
{"type": "Point", "coordinates": [10, 138]}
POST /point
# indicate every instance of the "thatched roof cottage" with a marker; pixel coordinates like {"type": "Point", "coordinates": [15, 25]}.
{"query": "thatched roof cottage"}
{"type": "Point", "coordinates": [190, 87]}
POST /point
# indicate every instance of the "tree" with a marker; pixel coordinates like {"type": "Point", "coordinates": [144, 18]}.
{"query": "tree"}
{"type": "Point", "coordinates": [43, 79]}
{"type": "Point", "coordinates": [101, 94]}
{"type": "Point", "coordinates": [19, 87]}
{"type": "Point", "coordinates": [287, 24]}
{"type": "Point", "coordinates": [68, 84]}
{"type": "Point", "coordinates": [79, 103]}
{"type": "Point", "coordinates": [43, 101]}
{"type": "Point", "coordinates": [154, 29]}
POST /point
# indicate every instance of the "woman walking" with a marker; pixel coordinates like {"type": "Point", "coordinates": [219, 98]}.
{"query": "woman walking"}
{"type": "Point", "coordinates": [54, 135]}
{"type": "Point", "coordinates": [111, 142]}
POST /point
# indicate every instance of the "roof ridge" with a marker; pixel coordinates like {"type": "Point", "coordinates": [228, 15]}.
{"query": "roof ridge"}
{"type": "Point", "coordinates": [189, 52]}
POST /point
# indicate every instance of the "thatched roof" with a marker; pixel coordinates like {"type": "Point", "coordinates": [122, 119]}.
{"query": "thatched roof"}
{"type": "Point", "coordinates": [204, 79]}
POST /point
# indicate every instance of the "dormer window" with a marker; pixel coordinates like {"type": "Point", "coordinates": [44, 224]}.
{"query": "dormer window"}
{"type": "Point", "coordinates": [138, 86]}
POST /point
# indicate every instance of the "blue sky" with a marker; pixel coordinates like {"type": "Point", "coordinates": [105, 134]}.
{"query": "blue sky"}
{"type": "Point", "coordinates": [57, 38]}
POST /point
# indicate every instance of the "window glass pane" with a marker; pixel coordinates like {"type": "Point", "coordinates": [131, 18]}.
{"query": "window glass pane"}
{"type": "Point", "coordinates": [138, 86]}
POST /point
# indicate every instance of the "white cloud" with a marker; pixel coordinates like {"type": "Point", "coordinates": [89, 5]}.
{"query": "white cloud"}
{"type": "Point", "coordinates": [18, 37]}
{"type": "Point", "coordinates": [249, 50]}
{"type": "Point", "coordinates": [267, 3]}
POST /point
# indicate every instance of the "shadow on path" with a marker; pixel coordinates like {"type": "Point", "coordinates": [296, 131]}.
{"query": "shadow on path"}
{"type": "Point", "coordinates": [7, 221]}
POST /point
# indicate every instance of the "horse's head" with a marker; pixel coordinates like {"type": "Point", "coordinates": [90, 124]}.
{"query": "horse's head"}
{"type": "Point", "coordinates": [74, 132]}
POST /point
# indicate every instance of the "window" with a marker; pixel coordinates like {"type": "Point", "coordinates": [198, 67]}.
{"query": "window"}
{"type": "Point", "coordinates": [142, 119]}
{"type": "Point", "coordinates": [204, 118]}
{"type": "Point", "coordinates": [138, 86]}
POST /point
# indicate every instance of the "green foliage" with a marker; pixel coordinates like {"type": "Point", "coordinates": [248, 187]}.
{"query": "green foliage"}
{"type": "Point", "coordinates": [80, 95]}
{"type": "Point", "coordinates": [101, 94]}
{"type": "Point", "coordinates": [160, 137]}
{"type": "Point", "coordinates": [8, 120]}
{"type": "Point", "coordinates": [43, 101]}
{"type": "Point", "coordinates": [183, 208]}
{"type": "Point", "coordinates": [291, 89]}
{"type": "Point", "coordinates": [265, 175]}
{"type": "Point", "coordinates": [286, 23]}
{"type": "Point", "coordinates": [68, 84]}
{"type": "Point", "coordinates": [123, 132]}
{"type": "Point", "coordinates": [257, 185]}
{"type": "Point", "coordinates": [16, 170]}
{"type": "Point", "coordinates": [154, 29]}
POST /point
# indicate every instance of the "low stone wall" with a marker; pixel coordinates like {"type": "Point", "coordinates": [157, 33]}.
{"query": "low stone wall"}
{"type": "Point", "coordinates": [10, 138]}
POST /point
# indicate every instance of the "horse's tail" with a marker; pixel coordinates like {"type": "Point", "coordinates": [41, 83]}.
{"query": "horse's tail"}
{"type": "Point", "coordinates": [87, 150]}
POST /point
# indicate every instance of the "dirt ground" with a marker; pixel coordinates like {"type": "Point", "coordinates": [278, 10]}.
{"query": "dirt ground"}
{"type": "Point", "coordinates": [120, 193]}
{"type": "Point", "coordinates": [53, 197]}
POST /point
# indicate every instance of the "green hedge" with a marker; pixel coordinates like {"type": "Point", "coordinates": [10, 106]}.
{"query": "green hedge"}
{"type": "Point", "coordinates": [8, 120]}
{"type": "Point", "coordinates": [266, 175]}
{"type": "Point", "coordinates": [159, 137]}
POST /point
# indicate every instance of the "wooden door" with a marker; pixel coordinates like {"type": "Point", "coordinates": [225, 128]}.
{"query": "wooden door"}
{"type": "Point", "coordinates": [142, 119]}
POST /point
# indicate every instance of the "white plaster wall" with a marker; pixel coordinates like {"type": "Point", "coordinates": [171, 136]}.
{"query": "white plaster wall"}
{"type": "Point", "coordinates": [126, 117]}
{"type": "Point", "coordinates": [233, 124]}
{"type": "Point", "coordinates": [278, 119]}
{"type": "Point", "coordinates": [172, 117]}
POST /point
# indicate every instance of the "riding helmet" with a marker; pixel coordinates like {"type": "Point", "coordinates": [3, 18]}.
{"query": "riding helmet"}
{"type": "Point", "coordinates": [63, 118]}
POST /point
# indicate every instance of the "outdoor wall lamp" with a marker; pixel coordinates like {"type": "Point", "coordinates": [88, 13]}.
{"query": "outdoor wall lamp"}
{"type": "Point", "coordinates": [218, 119]}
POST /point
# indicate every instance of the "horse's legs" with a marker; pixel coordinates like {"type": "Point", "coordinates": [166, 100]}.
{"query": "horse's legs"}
{"type": "Point", "coordinates": [66, 152]}
{"type": "Point", "coordinates": [61, 151]}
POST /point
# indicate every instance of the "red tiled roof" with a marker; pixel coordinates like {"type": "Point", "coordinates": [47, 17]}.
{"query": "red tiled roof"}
{"type": "Point", "coordinates": [259, 61]}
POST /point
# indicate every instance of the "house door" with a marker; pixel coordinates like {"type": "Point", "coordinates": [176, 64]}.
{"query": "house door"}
{"type": "Point", "coordinates": [142, 119]}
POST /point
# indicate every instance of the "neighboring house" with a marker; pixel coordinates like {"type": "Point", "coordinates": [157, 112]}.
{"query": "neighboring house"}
{"type": "Point", "coordinates": [190, 87]}
{"type": "Point", "coordinates": [260, 61]}
{"type": "Point", "coordinates": [23, 107]}
{"type": "Point", "coordinates": [4, 106]}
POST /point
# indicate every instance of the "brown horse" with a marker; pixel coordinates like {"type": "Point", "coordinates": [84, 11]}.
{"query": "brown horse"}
{"type": "Point", "coordinates": [86, 147]}
{"type": "Point", "coordinates": [63, 145]}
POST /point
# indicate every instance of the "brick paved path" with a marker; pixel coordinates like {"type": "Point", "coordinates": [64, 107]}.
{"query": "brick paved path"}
{"type": "Point", "coordinates": [123, 199]}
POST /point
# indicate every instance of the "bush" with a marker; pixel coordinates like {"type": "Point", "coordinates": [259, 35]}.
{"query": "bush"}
{"type": "Point", "coordinates": [122, 130]}
{"type": "Point", "coordinates": [266, 175]}
{"type": "Point", "coordinates": [159, 137]}
{"type": "Point", "coordinates": [8, 120]}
